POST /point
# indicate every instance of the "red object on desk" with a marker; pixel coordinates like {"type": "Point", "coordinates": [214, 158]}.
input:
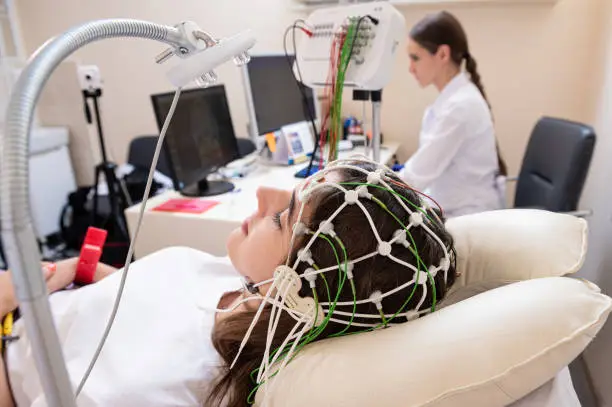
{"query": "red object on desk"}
{"type": "Point", "coordinates": [186, 205]}
{"type": "Point", "coordinates": [90, 255]}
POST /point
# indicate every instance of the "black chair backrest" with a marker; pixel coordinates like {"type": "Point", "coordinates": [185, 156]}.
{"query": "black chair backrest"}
{"type": "Point", "coordinates": [555, 165]}
{"type": "Point", "coordinates": [141, 153]}
{"type": "Point", "coordinates": [245, 146]}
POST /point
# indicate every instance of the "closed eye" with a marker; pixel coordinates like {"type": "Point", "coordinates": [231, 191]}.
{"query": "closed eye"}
{"type": "Point", "coordinates": [276, 218]}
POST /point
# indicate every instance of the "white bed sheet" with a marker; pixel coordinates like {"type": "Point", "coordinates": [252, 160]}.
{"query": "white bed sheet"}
{"type": "Point", "coordinates": [558, 392]}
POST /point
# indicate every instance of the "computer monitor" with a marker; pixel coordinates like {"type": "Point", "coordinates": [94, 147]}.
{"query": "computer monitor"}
{"type": "Point", "coordinates": [273, 97]}
{"type": "Point", "coordinates": [199, 140]}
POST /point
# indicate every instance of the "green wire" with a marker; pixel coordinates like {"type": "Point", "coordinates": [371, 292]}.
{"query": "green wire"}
{"type": "Point", "coordinates": [353, 289]}
{"type": "Point", "coordinates": [412, 249]}
{"type": "Point", "coordinates": [345, 57]}
{"type": "Point", "coordinates": [423, 211]}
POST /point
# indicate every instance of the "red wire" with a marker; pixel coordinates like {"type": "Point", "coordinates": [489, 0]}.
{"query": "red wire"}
{"type": "Point", "coordinates": [329, 93]}
{"type": "Point", "coordinates": [404, 185]}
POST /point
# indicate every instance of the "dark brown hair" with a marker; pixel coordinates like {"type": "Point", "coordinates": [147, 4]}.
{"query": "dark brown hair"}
{"type": "Point", "coordinates": [378, 273]}
{"type": "Point", "coordinates": [443, 28]}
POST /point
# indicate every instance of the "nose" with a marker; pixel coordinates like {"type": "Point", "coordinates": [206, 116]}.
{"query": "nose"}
{"type": "Point", "coordinates": [411, 68]}
{"type": "Point", "coordinates": [263, 199]}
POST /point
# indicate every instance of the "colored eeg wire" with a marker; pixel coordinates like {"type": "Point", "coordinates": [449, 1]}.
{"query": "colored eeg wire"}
{"type": "Point", "coordinates": [310, 329]}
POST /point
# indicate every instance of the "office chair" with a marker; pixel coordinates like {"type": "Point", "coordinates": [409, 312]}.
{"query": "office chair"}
{"type": "Point", "coordinates": [140, 154]}
{"type": "Point", "coordinates": [555, 165]}
{"type": "Point", "coordinates": [552, 177]}
{"type": "Point", "coordinates": [245, 146]}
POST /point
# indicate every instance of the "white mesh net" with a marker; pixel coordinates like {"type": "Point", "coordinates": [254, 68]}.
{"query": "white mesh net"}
{"type": "Point", "coordinates": [311, 315]}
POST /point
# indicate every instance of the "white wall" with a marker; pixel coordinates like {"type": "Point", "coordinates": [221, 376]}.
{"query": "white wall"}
{"type": "Point", "coordinates": [534, 60]}
{"type": "Point", "coordinates": [128, 66]}
{"type": "Point", "coordinates": [598, 197]}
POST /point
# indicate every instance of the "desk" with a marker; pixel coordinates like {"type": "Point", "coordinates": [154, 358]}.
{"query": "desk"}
{"type": "Point", "coordinates": [209, 231]}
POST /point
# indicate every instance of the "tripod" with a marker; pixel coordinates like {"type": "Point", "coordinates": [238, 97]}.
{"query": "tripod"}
{"type": "Point", "coordinates": [117, 196]}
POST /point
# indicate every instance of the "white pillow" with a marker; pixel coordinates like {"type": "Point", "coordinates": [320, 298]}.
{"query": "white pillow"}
{"type": "Point", "coordinates": [501, 247]}
{"type": "Point", "coordinates": [489, 350]}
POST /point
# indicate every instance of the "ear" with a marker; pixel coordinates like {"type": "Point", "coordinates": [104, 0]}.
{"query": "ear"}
{"type": "Point", "coordinates": [444, 52]}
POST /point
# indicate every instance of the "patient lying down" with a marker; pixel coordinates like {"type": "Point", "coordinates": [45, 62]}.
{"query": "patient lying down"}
{"type": "Point", "coordinates": [186, 317]}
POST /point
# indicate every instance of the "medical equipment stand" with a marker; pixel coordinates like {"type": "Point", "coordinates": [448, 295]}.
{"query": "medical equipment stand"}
{"type": "Point", "coordinates": [118, 199]}
{"type": "Point", "coordinates": [376, 98]}
{"type": "Point", "coordinates": [17, 227]}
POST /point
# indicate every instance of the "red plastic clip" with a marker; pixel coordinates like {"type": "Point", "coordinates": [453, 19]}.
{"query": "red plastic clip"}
{"type": "Point", "coordinates": [90, 255]}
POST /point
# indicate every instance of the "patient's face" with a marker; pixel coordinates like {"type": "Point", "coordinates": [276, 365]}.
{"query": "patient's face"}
{"type": "Point", "coordinates": [263, 241]}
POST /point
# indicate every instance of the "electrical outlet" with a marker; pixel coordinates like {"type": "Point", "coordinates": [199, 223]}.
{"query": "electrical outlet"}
{"type": "Point", "coordinates": [89, 77]}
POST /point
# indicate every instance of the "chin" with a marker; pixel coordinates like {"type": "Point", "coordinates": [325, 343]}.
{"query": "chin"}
{"type": "Point", "coordinates": [423, 84]}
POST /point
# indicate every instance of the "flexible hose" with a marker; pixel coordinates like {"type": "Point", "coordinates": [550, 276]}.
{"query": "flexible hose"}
{"type": "Point", "coordinates": [17, 227]}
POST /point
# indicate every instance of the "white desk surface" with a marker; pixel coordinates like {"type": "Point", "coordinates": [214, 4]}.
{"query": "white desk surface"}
{"type": "Point", "coordinates": [209, 231]}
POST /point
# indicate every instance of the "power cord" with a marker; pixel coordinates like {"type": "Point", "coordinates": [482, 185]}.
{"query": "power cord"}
{"type": "Point", "coordinates": [130, 254]}
{"type": "Point", "coordinates": [300, 82]}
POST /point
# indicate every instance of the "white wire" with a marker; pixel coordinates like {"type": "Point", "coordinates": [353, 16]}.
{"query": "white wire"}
{"type": "Point", "coordinates": [422, 300]}
{"type": "Point", "coordinates": [294, 313]}
{"type": "Point", "coordinates": [287, 357]}
{"type": "Point", "coordinates": [360, 302]}
{"type": "Point", "coordinates": [253, 323]}
{"type": "Point", "coordinates": [264, 367]}
{"type": "Point", "coordinates": [403, 263]}
{"type": "Point", "coordinates": [273, 323]}
{"type": "Point", "coordinates": [128, 260]}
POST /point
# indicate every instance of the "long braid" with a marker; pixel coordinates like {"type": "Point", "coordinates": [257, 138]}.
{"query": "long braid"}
{"type": "Point", "coordinates": [472, 67]}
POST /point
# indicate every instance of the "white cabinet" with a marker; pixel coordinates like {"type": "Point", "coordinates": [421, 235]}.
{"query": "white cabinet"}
{"type": "Point", "coordinates": [51, 177]}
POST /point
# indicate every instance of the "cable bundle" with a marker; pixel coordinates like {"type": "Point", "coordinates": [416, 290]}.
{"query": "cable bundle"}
{"type": "Point", "coordinates": [341, 52]}
{"type": "Point", "coordinates": [340, 57]}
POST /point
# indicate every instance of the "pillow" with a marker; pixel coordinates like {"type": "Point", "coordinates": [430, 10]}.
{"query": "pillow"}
{"type": "Point", "coordinates": [489, 350]}
{"type": "Point", "coordinates": [501, 247]}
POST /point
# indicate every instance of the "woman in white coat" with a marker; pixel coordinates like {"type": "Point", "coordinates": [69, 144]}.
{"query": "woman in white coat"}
{"type": "Point", "coordinates": [457, 162]}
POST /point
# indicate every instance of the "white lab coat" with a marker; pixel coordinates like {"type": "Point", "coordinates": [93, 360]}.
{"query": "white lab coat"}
{"type": "Point", "coordinates": [456, 162]}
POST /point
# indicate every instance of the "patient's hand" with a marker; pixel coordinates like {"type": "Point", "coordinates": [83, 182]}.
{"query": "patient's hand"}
{"type": "Point", "coordinates": [57, 278]}
{"type": "Point", "coordinates": [63, 275]}
{"type": "Point", "coordinates": [66, 271]}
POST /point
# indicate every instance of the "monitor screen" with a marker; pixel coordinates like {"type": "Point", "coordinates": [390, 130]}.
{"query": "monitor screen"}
{"type": "Point", "coordinates": [276, 96]}
{"type": "Point", "coordinates": [200, 138]}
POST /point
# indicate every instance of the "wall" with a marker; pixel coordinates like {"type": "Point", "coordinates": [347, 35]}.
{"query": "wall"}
{"type": "Point", "coordinates": [533, 60]}
{"type": "Point", "coordinates": [128, 67]}
{"type": "Point", "coordinates": [597, 196]}
{"type": "Point", "coordinates": [61, 104]}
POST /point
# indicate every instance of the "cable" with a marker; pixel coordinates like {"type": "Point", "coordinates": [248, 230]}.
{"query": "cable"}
{"type": "Point", "coordinates": [128, 261]}
{"type": "Point", "coordinates": [300, 83]}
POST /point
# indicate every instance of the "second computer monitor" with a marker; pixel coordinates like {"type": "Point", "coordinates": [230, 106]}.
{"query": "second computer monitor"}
{"type": "Point", "coordinates": [273, 94]}
{"type": "Point", "coordinates": [199, 140]}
